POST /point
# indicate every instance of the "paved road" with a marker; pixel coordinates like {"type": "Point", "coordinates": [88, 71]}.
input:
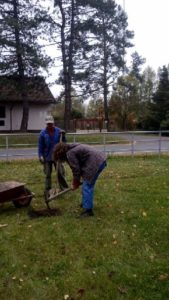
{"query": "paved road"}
{"type": "Point", "coordinates": [140, 144]}
{"type": "Point", "coordinates": [18, 153]}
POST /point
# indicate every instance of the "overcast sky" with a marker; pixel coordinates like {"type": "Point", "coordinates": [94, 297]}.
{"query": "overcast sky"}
{"type": "Point", "coordinates": [149, 19]}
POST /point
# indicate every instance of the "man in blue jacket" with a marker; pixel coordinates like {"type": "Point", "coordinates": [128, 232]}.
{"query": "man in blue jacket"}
{"type": "Point", "coordinates": [48, 138]}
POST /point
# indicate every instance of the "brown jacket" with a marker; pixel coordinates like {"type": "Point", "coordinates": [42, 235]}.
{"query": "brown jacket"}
{"type": "Point", "coordinates": [84, 161]}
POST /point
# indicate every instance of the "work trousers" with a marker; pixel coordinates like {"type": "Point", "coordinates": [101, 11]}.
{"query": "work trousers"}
{"type": "Point", "coordinates": [60, 175]}
{"type": "Point", "coordinates": [88, 189]}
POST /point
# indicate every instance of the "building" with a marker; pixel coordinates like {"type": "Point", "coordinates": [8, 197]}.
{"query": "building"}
{"type": "Point", "coordinates": [39, 98]}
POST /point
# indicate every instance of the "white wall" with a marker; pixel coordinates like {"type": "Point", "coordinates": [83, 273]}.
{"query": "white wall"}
{"type": "Point", "coordinates": [37, 114]}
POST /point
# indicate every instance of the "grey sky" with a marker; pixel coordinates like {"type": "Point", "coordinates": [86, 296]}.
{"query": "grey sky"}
{"type": "Point", "coordinates": [150, 22]}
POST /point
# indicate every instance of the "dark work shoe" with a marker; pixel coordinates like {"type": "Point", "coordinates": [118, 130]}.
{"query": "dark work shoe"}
{"type": "Point", "coordinates": [87, 213]}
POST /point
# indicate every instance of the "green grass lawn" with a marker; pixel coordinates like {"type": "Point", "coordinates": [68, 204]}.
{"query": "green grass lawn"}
{"type": "Point", "coordinates": [31, 140]}
{"type": "Point", "coordinates": [19, 141]}
{"type": "Point", "coordinates": [122, 253]}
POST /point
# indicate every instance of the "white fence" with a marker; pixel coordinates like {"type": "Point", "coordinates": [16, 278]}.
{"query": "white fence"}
{"type": "Point", "coordinates": [14, 146]}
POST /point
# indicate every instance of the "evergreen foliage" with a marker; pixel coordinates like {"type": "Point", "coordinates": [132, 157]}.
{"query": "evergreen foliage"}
{"type": "Point", "coordinates": [161, 98]}
{"type": "Point", "coordinates": [93, 39]}
{"type": "Point", "coordinates": [22, 21]}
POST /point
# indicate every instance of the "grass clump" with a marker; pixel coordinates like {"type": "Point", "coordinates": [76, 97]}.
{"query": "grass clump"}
{"type": "Point", "coordinates": [120, 253]}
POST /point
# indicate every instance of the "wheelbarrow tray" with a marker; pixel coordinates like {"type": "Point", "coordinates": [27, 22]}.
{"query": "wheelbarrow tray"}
{"type": "Point", "coordinates": [10, 190]}
{"type": "Point", "coordinates": [16, 192]}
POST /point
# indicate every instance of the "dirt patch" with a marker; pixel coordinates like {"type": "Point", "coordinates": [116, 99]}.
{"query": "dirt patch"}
{"type": "Point", "coordinates": [44, 213]}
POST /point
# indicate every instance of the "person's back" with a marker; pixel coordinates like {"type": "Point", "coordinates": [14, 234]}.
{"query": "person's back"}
{"type": "Point", "coordinates": [86, 158]}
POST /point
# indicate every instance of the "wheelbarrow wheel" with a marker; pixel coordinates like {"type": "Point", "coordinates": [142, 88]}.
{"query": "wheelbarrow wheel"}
{"type": "Point", "coordinates": [24, 200]}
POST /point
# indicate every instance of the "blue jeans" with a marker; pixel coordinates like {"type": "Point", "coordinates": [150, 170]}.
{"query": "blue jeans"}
{"type": "Point", "coordinates": [88, 189]}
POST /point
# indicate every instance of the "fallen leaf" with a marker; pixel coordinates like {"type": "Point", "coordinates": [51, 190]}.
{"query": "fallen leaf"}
{"type": "Point", "coordinates": [151, 257]}
{"type": "Point", "coordinates": [144, 214]}
{"type": "Point", "coordinates": [122, 290]}
{"type": "Point", "coordinates": [3, 225]}
{"type": "Point", "coordinates": [81, 291]}
{"type": "Point", "coordinates": [163, 277]}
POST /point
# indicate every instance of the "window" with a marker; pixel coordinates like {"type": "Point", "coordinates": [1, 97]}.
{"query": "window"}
{"type": "Point", "coordinates": [2, 115]}
{"type": "Point", "coordinates": [2, 123]}
{"type": "Point", "coordinates": [2, 111]}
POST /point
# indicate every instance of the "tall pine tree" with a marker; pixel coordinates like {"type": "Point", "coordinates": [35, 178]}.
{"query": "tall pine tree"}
{"type": "Point", "coordinates": [71, 17]}
{"type": "Point", "coordinates": [21, 55]}
{"type": "Point", "coordinates": [109, 39]}
{"type": "Point", "coordinates": [93, 39]}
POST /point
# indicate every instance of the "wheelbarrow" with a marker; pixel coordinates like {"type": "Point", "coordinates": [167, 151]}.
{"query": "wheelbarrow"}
{"type": "Point", "coordinates": [16, 192]}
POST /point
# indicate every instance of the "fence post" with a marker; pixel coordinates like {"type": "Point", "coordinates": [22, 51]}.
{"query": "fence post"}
{"type": "Point", "coordinates": [104, 142]}
{"type": "Point", "coordinates": [159, 143]}
{"type": "Point", "coordinates": [132, 144]}
{"type": "Point", "coordinates": [7, 147]}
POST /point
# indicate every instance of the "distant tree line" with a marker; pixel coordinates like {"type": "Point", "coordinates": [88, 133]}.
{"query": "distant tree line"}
{"type": "Point", "coordinates": [92, 38]}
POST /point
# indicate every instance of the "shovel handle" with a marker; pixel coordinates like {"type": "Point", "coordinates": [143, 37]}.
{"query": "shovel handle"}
{"type": "Point", "coordinates": [58, 194]}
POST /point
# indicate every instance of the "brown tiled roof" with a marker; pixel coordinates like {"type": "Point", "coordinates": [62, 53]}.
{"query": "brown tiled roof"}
{"type": "Point", "coordinates": [38, 91]}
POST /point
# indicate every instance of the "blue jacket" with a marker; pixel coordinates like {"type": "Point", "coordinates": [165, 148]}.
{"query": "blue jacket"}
{"type": "Point", "coordinates": [46, 143]}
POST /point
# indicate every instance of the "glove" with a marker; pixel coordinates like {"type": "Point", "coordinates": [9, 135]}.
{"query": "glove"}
{"type": "Point", "coordinates": [41, 159]}
{"type": "Point", "coordinates": [75, 184]}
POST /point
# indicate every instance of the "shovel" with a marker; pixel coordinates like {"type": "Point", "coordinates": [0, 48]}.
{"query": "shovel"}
{"type": "Point", "coordinates": [55, 194]}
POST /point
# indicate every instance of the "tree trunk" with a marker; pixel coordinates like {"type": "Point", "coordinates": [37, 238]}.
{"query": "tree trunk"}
{"type": "Point", "coordinates": [70, 66]}
{"type": "Point", "coordinates": [105, 88]}
{"type": "Point", "coordinates": [21, 83]}
{"type": "Point", "coordinates": [67, 57]}
{"type": "Point", "coordinates": [25, 115]}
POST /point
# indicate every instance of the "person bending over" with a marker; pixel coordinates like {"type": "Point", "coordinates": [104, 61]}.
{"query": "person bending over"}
{"type": "Point", "coordinates": [86, 163]}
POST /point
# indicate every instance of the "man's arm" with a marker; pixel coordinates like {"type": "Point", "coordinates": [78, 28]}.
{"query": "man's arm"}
{"type": "Point", "coordinates": [41, 148]}
{"type": "Point", "coordinates": [75, 167]}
